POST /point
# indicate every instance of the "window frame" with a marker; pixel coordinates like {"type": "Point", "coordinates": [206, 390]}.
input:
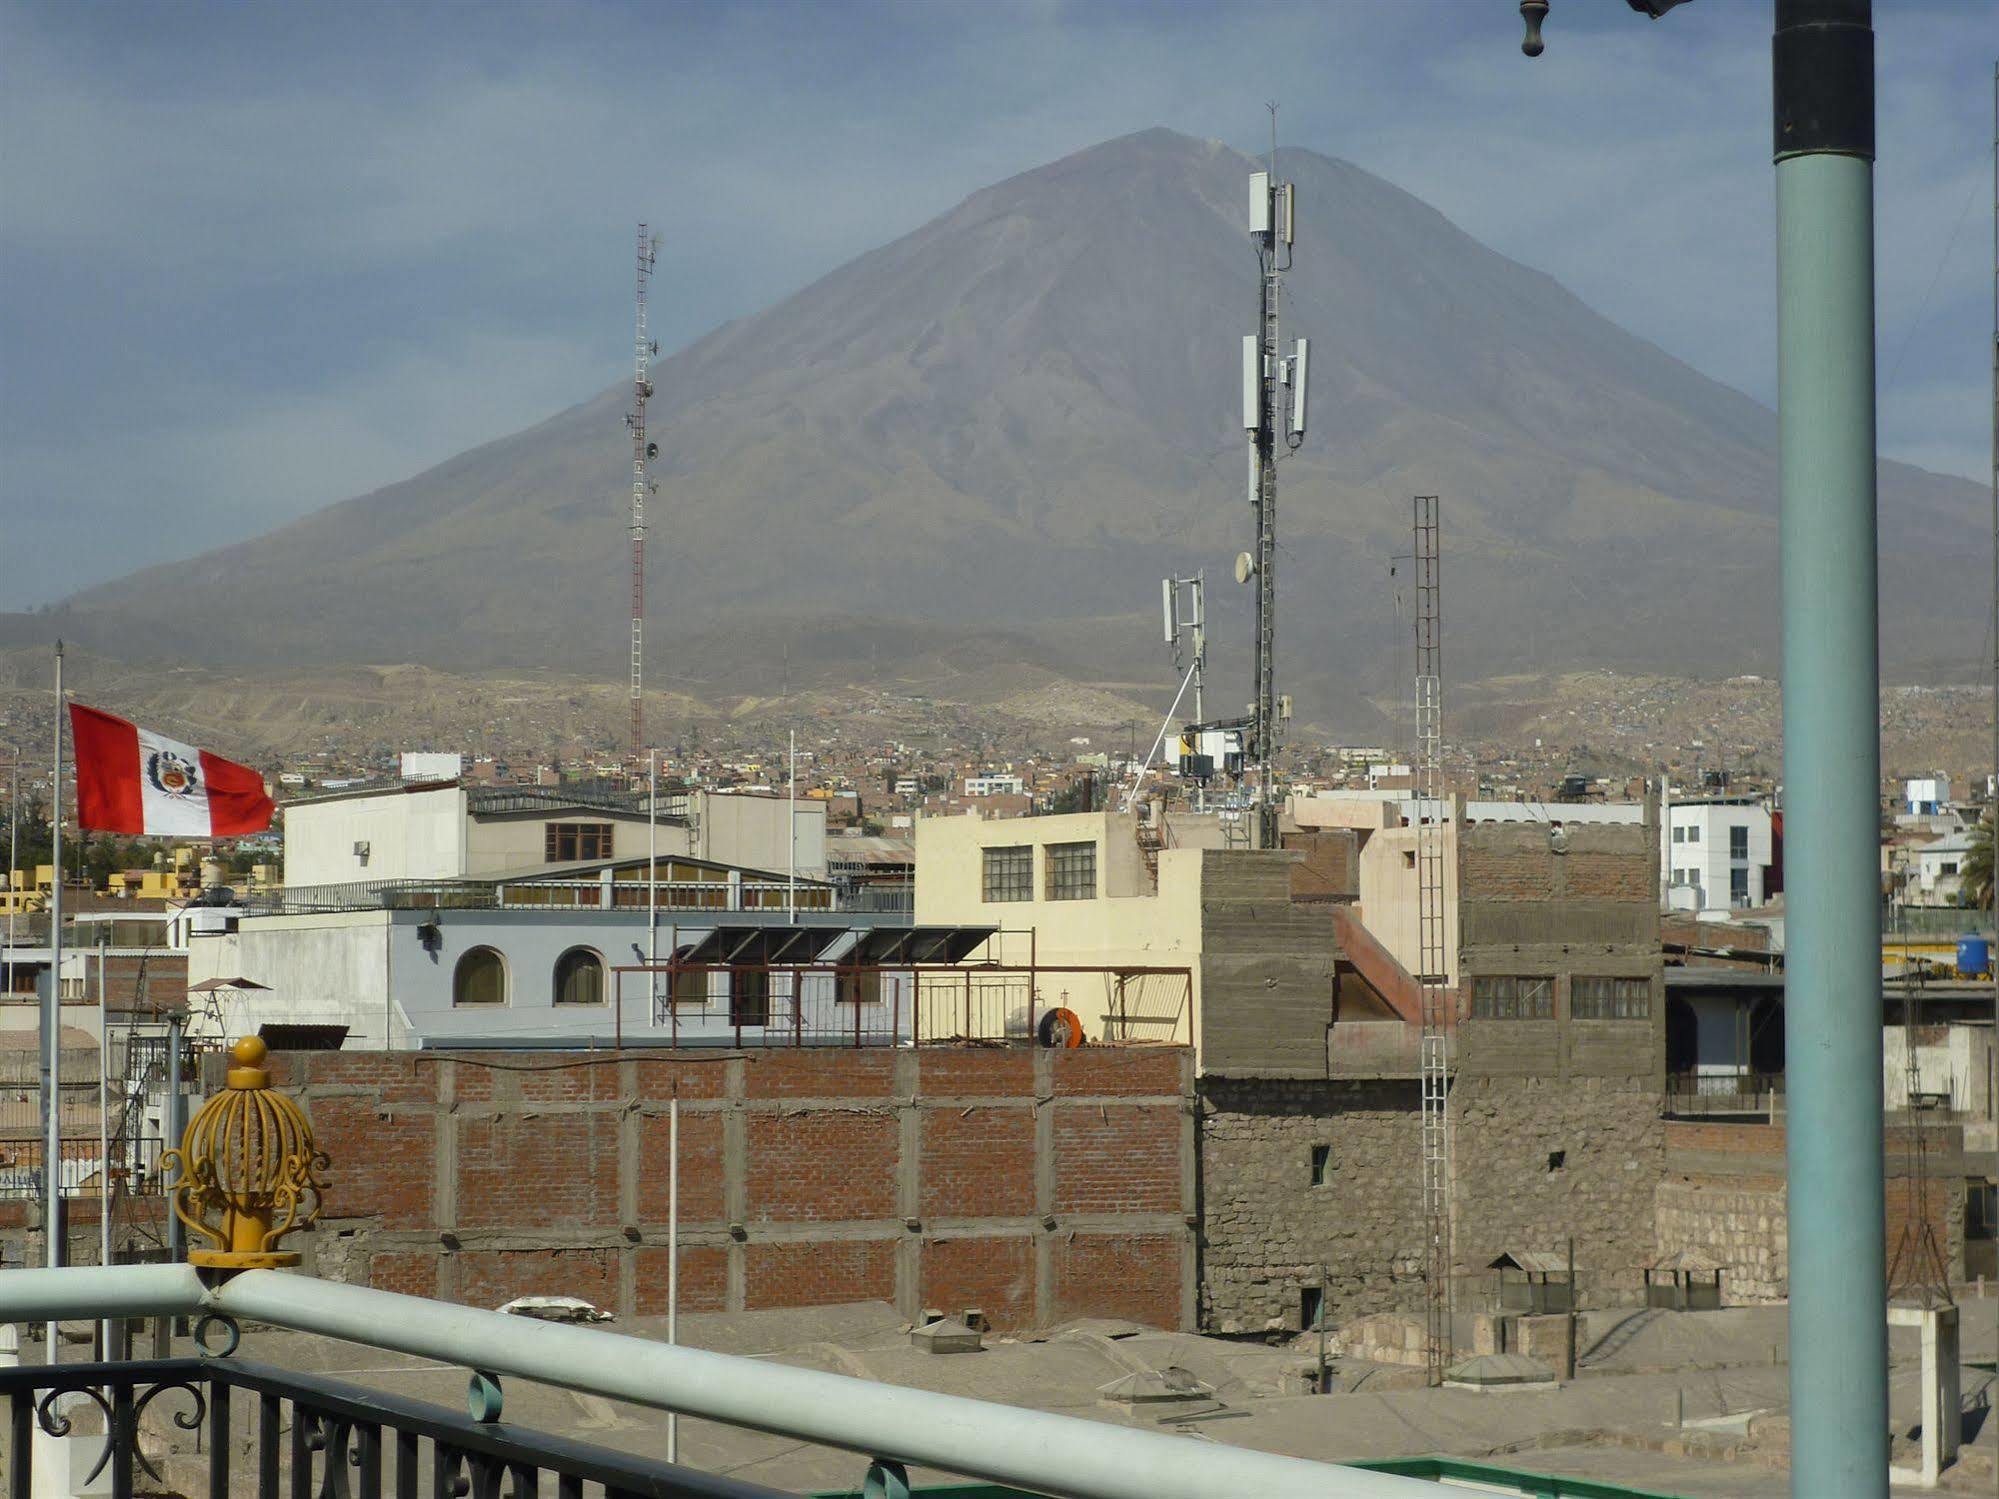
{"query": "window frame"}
{"type": "Point", "coordinates": [1006, 884]}
{"type": "Point", "coordinates": [603, 976]}
{"type": "Point", "coordinates": [1060, 879]}
{"type": "Point", "coordinates": [1500, 996]}
{"type": "Point", "coordinates": [1738, 840]}
{"type": "Point", "coordinates": [1623, 998]}
{"type": "Point", "coordinates": [599, 837]}
{"type": "Point", "coordinates": [458, 1000]}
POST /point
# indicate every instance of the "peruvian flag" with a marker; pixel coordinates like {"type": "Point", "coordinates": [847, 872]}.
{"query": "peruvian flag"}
{"type": "Point", "coordinates": [131, 780]}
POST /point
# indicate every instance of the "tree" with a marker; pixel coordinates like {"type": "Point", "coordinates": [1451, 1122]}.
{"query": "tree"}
{"type": "Point", "coordinates": [1974, 872]}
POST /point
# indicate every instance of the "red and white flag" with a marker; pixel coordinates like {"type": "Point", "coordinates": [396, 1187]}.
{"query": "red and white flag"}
{"type": "Point", "coordinates": [131, 780]}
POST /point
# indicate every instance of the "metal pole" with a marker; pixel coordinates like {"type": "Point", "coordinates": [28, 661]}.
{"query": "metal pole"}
{"type": "Point", "coordinates": [52, 1031]}
{"type": "Point", "coordinates": [1824, 147]}
{"type": "Point", "coordinates": [14, 860]}
{"type": "Point", "coordinates": [652, 892]}
{"type": "Point", "coordinates": [103, 1129]}
{"type": "Point", "coordinates": [791, 839]}
{"type": "Point", "coordinates": [673, 1252]}
{"type": "Point", "coordinates": [176, 1040]}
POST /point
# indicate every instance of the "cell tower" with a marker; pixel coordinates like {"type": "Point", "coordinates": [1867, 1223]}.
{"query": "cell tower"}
{"type": "Point", "coordinates": [1273, 403]}
{"type": "Point", "coordinates": [643, 452]}
{"type": "Point", "coordinates": [1194, 620]}
{"type": "Point", "coordinates": [1433, 957]}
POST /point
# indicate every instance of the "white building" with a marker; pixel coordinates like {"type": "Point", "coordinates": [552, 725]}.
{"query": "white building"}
{"type": "Point", "coordinates": [1716, 854]}
{"type": "Point", "coordinates": [432, 765]}
{"type": "Point", "coordinates": [1926, 796]}
{"type": "Point", "coordinates": [1936, 871]}
{"type": "Point", "coordinates": [994, 784]}
{"type": "Point", "coordinates": [443, 830]}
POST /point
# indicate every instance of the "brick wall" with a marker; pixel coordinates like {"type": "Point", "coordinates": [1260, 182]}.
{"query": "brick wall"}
{"type": "Point", "coordinates": [1036, 1186]}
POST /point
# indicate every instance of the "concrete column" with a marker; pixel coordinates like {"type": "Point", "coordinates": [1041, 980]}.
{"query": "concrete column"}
{"type": "Point", "coordinates": [1824, 146]}
{"type": "Point", "coordinates": [1943, 1416]}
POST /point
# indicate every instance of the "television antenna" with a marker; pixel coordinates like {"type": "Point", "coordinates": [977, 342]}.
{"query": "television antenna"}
{"type": "Point", "coordinates": [644, 450]}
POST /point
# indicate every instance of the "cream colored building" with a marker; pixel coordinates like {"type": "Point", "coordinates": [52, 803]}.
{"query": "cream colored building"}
{"type": "Point", "coordinates": [1079, 885]}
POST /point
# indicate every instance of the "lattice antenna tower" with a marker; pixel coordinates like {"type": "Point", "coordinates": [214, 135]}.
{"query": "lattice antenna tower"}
{"type": "Point", "coordinates": [1433, 847]}
{"type": "Point", "coordinates": [1916, 1270]}
{"type": "Point", "coordinates": [1273, 417]}
{"type": "Point", "coordinates": [644, 349]}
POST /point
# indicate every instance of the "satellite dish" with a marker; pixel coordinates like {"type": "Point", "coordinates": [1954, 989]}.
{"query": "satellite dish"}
{"type": "Point", "coordinates": [1245, 567]}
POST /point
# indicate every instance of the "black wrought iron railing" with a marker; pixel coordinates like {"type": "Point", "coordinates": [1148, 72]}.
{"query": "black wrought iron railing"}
{"type": "Point", "coordinates": [224, 1427]}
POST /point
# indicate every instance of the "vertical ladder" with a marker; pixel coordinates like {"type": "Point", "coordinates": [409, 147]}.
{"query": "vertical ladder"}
{"type": "Point", "coordinates": [641, 389]}
{"type": "Point", "coordinates": [1433, 963]}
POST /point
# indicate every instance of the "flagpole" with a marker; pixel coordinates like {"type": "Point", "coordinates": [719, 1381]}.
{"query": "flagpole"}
{"type": "Point", "coordinates": [103, 1136]}
{"type": "Point", "coordinates": [52, 1033]}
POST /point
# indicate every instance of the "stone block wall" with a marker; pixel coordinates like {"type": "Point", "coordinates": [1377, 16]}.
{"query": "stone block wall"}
{"type": "Point", "coordinates": [1535, 1161]}
{"type": "Point", "coordinates": [1268, 1232]}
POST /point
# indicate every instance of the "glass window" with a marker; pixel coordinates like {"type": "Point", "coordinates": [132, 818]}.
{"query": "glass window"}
{"type": "Point", "coordinates": [1738, 841]}
{"type": "Point", "coordinates": [690, 985]}
{"type": "Point", "coordinates": [569, 842]}
{"type": "Point", "coordinates": [1322, 1159]}
{"type": "Point", "coordinates": [1072, 871]}
{"type": "Point", "coordinates": [1694, 833]}
{"type": "Point", "coordinates": [480, 978]}
{"type": "Point", "coordinates": [579, 978]}
{"type": "Point", "coordinates": [1505, 996]}
{"type": "Point", "coordinates": [1009, 873]}
{"type": "Point", "coordinates": [1947, 868]}
{"type": "Point", "coordinates": [1679, 835]}
{"type": "Point", "coordinates": [1738, 887]}
{"type": "Point", "coordinates": [1593, 997]}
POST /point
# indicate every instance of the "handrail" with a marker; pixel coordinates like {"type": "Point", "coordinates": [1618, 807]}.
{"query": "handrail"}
{"type": "Point", "coordinates": [1046, 1453]}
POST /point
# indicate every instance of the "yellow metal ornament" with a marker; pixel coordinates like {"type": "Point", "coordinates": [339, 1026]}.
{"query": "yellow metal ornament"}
{"type": "Point", "coordinates": [247, 1170]}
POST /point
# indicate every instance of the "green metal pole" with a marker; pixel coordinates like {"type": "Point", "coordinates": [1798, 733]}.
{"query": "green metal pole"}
{"type": "Point", "coordinates": [1825, 403]}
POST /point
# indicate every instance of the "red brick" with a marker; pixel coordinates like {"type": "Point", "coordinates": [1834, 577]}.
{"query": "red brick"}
{"type": "Point", "coordinates": [994, 1275]}
{"type": "Point", "coordinates": [492, 1277]}
{"type": "Point", "coordinates": [1134, 1276]}
{"type": "Point", "coordinates": [410, 1274]}
{"type": "Point", "coordinates": [701, 1175]}
{"type": "Point", "coordinates": [382, 1160]}
{"type": "Point", "coordinates": [538, 1171]}
{"type": "Point", "coordinates": [825, 1273]}
{"type": "Point", "coordinates": [704, 1280]}
{"type": "Point", "coordinates": [822, 1166]}
{"type": "Point", "coordinates": [1118, 1070]}
{"type": "Point", "coordinates": [1121, 1158]}
{"type": "Point", "coordinates": [815, 1073]}
{"type": "Point", "coordinates": [975, 1072]}
{"type": "Point", "coordinates": [977, 1164]}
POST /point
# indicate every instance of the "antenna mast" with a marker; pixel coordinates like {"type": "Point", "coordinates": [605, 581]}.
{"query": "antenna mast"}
{"type": "Point", "coordinates": [1273, 404]}
{"type": "Point", "coordinates": [643, 451]}
{"type": "Point", "coordinates": [1433, 961]}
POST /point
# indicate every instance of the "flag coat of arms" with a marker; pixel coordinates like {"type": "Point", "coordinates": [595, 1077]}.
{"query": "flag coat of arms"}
{"type": "Point", "coordinates": [131, 780]}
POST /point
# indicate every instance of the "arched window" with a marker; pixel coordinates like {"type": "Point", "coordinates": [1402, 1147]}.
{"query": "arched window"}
{"type": "Point", "coordinates": [579, 978]}
{"type": "Point", "coordinates": [480, 978]}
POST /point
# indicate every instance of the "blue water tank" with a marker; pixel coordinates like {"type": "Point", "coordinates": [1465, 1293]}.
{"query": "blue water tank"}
{"type": "Point", "coordinates": [1974, 955]}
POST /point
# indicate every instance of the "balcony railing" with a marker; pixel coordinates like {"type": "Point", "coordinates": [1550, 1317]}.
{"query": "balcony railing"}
{"type": "Point", "coordinates": [343, 1440]}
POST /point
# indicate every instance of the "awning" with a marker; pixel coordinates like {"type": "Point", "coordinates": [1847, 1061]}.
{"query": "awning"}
{"type": "Point", "coordinates": [899, 946]}
{"type": "Point", "coordinates": [759, 946]}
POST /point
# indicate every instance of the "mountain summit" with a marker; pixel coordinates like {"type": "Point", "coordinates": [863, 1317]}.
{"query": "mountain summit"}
{"type": "Point", "coordinates": [1020, 416]}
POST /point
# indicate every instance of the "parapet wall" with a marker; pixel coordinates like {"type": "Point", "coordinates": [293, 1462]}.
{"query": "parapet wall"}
{"type": "Point", "coordinates": [1035, 1186]}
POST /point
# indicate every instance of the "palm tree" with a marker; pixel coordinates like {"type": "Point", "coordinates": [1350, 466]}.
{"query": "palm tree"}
{"type": "Point", "coordinates": [1974, 873]}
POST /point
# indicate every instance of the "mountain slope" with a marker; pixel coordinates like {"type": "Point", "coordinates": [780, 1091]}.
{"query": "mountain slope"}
{"type": "Point", "coordinates": [1020, 415]}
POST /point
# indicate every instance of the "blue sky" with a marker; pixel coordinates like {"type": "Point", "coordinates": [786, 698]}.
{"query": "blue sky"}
{"type": "Point", "coordinates": [257, 259]}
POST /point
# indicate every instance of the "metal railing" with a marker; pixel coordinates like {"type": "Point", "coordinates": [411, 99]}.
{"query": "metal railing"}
{"type": "Point", "coordinates": [312, 1436]}
{"type": "Point", "coordinates": [539, 894]}
{"type": "Point", "coordinates": [894, 1426]}
{"type": "Point", "coordinates": [760, 1005]}
{"type": "Point", "coordinates": [1695, 1094]}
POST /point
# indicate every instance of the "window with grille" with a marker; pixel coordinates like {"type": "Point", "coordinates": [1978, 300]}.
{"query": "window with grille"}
{"type": "Point", "coordinates": [1009, 873]}
{"type": "Point", "coordinates": [1600, 998]}
{"type": "Point", "coordinates": [1506, 996]}
{"type": "Point", "coordinates": [749, 996]}
{"type": "Point", "coordinates": [1738, 841]}
{"type": "Point", "coordinates": [1072, 871]}
{"type": "Point", "coordinates": [569, 842]}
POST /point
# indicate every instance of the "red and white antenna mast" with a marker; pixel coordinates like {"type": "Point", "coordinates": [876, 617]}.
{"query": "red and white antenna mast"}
{"type": "Point", "coordinates": [643, 451]}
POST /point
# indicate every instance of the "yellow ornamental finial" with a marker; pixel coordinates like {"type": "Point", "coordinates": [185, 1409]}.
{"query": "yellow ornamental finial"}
{"type": "Point", "coordinates": [247, 1170]}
